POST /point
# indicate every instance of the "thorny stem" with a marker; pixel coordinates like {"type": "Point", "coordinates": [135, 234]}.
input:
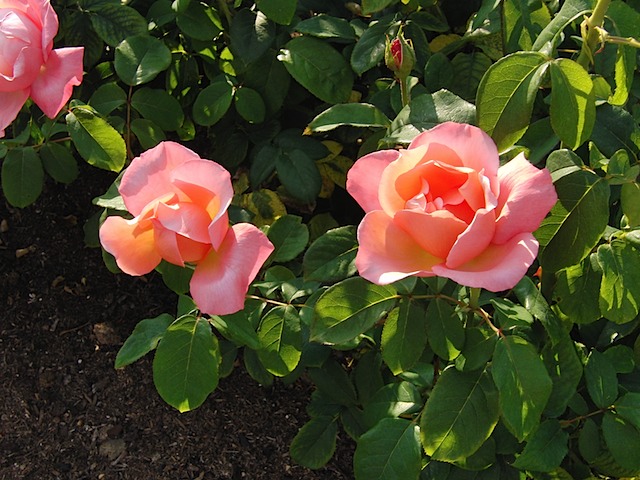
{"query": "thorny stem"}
{"type": "Point", "coordinates": [404, 91]}
{"type": "Point", "coordinates": [268, 300]}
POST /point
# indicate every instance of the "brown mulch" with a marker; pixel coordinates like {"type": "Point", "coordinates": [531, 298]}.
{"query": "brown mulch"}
{"type": "Point", "coordinates": [66, 413]}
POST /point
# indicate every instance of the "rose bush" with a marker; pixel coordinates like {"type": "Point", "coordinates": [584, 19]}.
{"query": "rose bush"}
{"type": "Point", "coordinates": [444, 207]}
{"type": "Point", "coordinates": [29, 66]}
{"type": "Point", "coordinates": [179, 202]}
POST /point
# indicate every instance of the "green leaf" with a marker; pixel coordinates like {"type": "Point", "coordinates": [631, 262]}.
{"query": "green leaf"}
{"type": "Point", "coordinates": [628, 407]}
{"type": "Point", "coordinates": [621, 357]}
{"type": "Point", "coordinates": [403, 336]}
{"type": "Point", "coordinates": [143, 339]}
{"type": "Point", "coordinates": [58, 162]}
{"type": "Point", "coordinates": [107, 98]}
{"type": "Point", "coordinates": [627, 22]}
{"type": "Point", "coordinates": [139, 59]}
{"type": "Point", "coordinates": [623, 439]}
{"type": "Point", "coordinates": [113, 22]}
{"type": "Point", "coordinates": [280, 11]}
{"type": "Point", "coordinates": [238, 328]}
{"type": "Point", "coordinates": [532, 299]}
{"type": "Point", "coordinates": [573, 102]}
{"type": "Point", "coordinates": [350, 308]}
{"type": "Point", "coordinates": [545, 449]}
{"type": "Point", "coordinates": [506, 95]}
{"type": "Point", "coordinates": [159, 107]}
{"type": "Point", "coordinates": [601, 379]}
{"type": "Point", "coordinates": [22, 176]}
{"type": "Point", "coordinates": [565, 370]}
{"type": "Point", "coordinates": [578, 291]}
{"type": "Point", "coordinates": [299, 174]}
{"type": "Point", "coordinates": [354, 114]}
{"type": "Point", "coordinates": [369, 50]}
{"type": "Point", "coordinates": [589, 443]}
{"type": "Point", "coordinates": [289, 237]}
{"type": "Point", "coordinates": [576, 221]}
{"type": "Point", "coordinates": [96, 141]}
{"type": "Point", "coordinates": [280, 340]}
{"type": "Point", "coordinates": [620, 287]}
{"type": "Point", "coordinates": [212, 103]}
{"type": "Point", "coordinates": [392, 400]}
{"type": "Point", "coordinates": [367, 375]}
{"type": "Point", "coordinates": [319, 68]}
{"type": "Point", "coordinates": [459, 416]}
{"type": "Point", "coordinates": [616, 128]}
{"type": "Point", "coordinates": [326, 26]}
{"type": "Point", "coordinates": [199, 21]}
{"type": "Point", "coordinates": [249, 105]}
{"type": "Point", "coordinates": [251, 35]}
{"type": "Point", "coordinates": [175, 277]}
{"type": "Point", "coordinates": [255, 368]}
{"type": "Point", "coordinates": [389, 451]}
{"type": "Point", "coordinates": [373, 6]}
{"type": "Point", "coordinates": [479, 344]}
{"type": "Point", "coordinates": [314, 444]}
{"type": "Point", "coordinates": [333, 381]}
{"type": "Point", "coordinates": [147, 132]}
{"type": "Point", "coordinates": [445, 331]}
{"type": "Point", "coordinates": [570, 11]}
{"type": "Point", "coordinates": [523, 383]}
{"type": "Point", "coordinates": [468, 70]}
{"type": "Point", "coordinates": [185, 367]}
{"type": "Point", "coordinates": [331, 257]}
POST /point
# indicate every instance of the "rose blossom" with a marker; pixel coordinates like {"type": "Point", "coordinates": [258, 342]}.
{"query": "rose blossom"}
{"type": "Point", "coordinates": [445, 207]}
{"type": "Point", "coordinates": [29, 66]}
{"type": "Point", "coordinates": [179, 202]}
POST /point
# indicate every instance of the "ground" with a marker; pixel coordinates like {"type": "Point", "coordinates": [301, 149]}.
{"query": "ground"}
{"type": "Point", "coordinates": [66, 413]}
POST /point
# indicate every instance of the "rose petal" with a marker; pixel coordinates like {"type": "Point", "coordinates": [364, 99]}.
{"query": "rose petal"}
{"type": "Point", "coordinates": [435, 232]}
{"type": "Point", "coordinates": [149, 175]}
{"type": "Point", "coordinates": [461, 145]}
{"type": "Point", "coordinates": [473, 240]}
{"type": "Point", "coordinates": [177, 249]}
{"type": "Point", "coordinates": [131, 243]}
{"type": "Point", "coordinates": [363, 178]}
{"type": "Point", "coordinates": [387, 253]}
{"type": "Point", "coordinates": [393, 194]}
{"type": "Point", "coordinates": [11, 103]}
{"type": "Point", "coordinates": [498, 267]}
{"type": "Point", "coordinates": [526, 196]}
{"type": "Point", "coordinates": [220, 281]}
{"type": "Point", "coordinates": [218, 230]}
{"type": "Point", "coordinates": [186, 219]}
{"type": "Point", "coordinates": [61, 72]}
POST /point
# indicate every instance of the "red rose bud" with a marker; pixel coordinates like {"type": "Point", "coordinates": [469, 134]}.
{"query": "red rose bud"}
{"type": "Point", "coordinates": [399, 56]}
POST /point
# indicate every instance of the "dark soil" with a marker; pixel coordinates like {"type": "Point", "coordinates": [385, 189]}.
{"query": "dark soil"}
{"type": "Point", "coordinates": [66, 413]}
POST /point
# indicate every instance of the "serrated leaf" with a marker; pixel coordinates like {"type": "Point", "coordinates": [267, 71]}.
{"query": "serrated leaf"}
{"type": "Point", "coordinates": [143, 339]}
{"type": "Point", "coordinates": [185, 367]}
{"type": "Point", "coordinates": [573, 102]}
{"type": "Point", "coordinates": [199, 21]}
{"type": "Point", "coordinates": [576, 221]}
{"type": "Point", "coordinates": [326, 26]}
{"type": "Point", "coordinates": [212, 103]}
{"type": "Point", "coordinates": [445, 331]}
{"type": "Point", "coordinates": [545, 448]}
{"type": "Point", "coordinates": [331, 257]}
{"type": "Point", "coordinates": [22, 176]}
{"type": "Point", "coordinates": [319, 68]}
{"type": "Point", "coordinates": [392, 400]}
{"type": "Point", "coordinates": [353, 114]}
{"type": "Point", "coordinates": [468, 70]}
{"type": "Point", "coordinates": [578, 291]}
{"type": "Point", "coordinates": [96, 141]}
{"type": "Point", "coordinates": [523, 383]}
{"type": "Point", "coordinates": [314, 444]}
{"type": "Point", "coordinates": [113, 22]}
{"type": "Point", "coordinates": [148, 133]}
{"type": "Point", "coordinates": [620, 287]}
{"type": "Point", "coordinates": [404, 336]}
{"type": "Point", "coordinates": [280, 340]}
{"type": "Point", "coordinates": [628, 407]}
{"type": "Point", "coordinates": [478, 348]}
{"type": "Point", "coordinates": [249, 105]}
{"type": "Point", "coordinates": [332, 381]}
{"type": "Point", "coordinates": [532, 299]}
{"type": "Point", "coordinates": [565, 369]}
{"type": "Point", "coordinates": [289, 236]}
{"type": "Point", "coordinates": [369, 50]}
{"type": "Point", "coordinates": [622, 439]}
{"type": "Point", "coordinates": [237, 327]}
{"type": "Point", "coordinates": [140, 58]}
{"type": "Point", "coordinates": [627, 21]}
{"type": "Point", "coordinates": [299, 174]}
{"type": "Point", "coordinates": [601, 379]}
{"type": "Point", "coordinates": [616, 129]}
{"type": "Point", "coordinates": [58, 162]}
{"type": "Point", "coordinates": [460, 415]}
{"type": "Point", "coordinates": [251, 35]}
{"type": "Point", "coordinates": [107, 98]}
{"type": "Point", "coordinates": [350, 308]}
{"type": "Point", "coordinates": [389, 451]}
{"type": "Point", "coordinates": [506, 95]}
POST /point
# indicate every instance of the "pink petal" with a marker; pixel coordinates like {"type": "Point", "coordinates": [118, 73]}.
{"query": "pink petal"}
{"type": "Point", "coordinates": [498, 268]}
{"type": "Point", "coordinates": [177, 249]}
{"type": "Point", "coordinates": [53, 87]}
{"type": "Point", "coordinates": [10, 105]}
{"type": "Point", "coordinates": [434, 232]}
{"type": "Point", "coordinates": [392, 193]}
{"type": "Point", "coordinates": [220, 281]}
{"type": "Point", "coordinates": [363, 178]}
{"type": "Point", "coordinates": [474, 240]}
{"type": "Point", "coordinates": [186, 219]}
{"type": "Point", "coordinates": [132, 243]}
{"type": "Point", "coordinates": [206, 184]}
{"type": "Point", "coordinates": [218, 230]}
{"type": "Point", "coordinates": [526, 196]}
{"type": "Point", "coordinates": [149, 175]}
{"type": "Point", "coordinates": [461, 145]}
{"type": "Point", "coordinates": [387, 253]}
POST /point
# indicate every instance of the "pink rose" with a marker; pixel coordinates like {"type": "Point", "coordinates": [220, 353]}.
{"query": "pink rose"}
{"type": "Point", "coordinates": [179, 202]}
{"type": "Point", "coordinates": [445, 207]}
{"type": "Point", "coordinates": [29, 67]}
